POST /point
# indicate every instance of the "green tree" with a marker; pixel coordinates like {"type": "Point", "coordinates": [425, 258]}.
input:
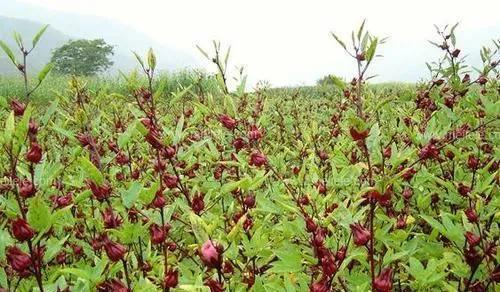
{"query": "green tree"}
{"type": "Point", "coordinates": [82, 57]}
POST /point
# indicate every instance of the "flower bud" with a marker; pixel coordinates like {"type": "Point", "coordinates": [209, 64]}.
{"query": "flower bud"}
{"type": "Point", "coordinates": [473, 162]}
{"type": "Point", "coordinates": [34, 154]}
{"type": "Point", "coordinates": [249, 201]}
{"type": "Point", "coordinates": [238, 144]}
{"type": "Point", "coordinates": [110, 219]}
{"type": "Point", "coordinates": [211, 254]}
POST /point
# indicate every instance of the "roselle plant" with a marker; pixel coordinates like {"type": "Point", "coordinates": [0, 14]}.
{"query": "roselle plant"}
{"type": "Point", "coordinates": [350, 187]}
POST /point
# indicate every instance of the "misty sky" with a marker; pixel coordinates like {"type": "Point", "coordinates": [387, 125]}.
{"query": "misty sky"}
{"type": "Point", "coordinates": [288, 42]}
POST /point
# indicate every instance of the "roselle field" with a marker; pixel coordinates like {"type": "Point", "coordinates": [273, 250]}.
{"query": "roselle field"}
{"type": "Point", "coordinates": [173, 182]}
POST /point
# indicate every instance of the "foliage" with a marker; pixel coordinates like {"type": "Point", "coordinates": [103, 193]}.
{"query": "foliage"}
{"type": "Point", "coordinates": [82, 57]}
{"type": "Point", "coordinates": [144, 186]}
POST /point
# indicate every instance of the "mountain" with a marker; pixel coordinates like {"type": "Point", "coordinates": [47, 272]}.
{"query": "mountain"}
{"type": "Point", "coordinates": [39, 57]}
{"type": "Point", "coordinates": [27, 20]}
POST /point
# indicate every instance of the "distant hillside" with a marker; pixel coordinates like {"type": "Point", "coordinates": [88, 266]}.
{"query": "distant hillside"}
{"type": "Point", "coordinates": [51, 39]}
{"type": "Point", "coordinates": [123, 37]}
{"type": "Point", "coordinates": [64, 28]}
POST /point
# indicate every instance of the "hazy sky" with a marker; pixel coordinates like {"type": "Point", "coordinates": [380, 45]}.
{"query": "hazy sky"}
{"type": "Point", "coordinates": [288, 42]}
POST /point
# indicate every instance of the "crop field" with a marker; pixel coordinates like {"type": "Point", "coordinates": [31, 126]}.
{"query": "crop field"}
{"type": "Point", "coordinates": [152, 181]}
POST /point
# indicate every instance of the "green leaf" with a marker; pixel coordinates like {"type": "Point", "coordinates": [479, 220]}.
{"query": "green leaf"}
{"type": "Point", "coordinates": [92, 171]}
{"type": "Point", "coordinates": [39, 34]}
{"type": "Point", "coordinates": [139, 59]}
{"type": "Point", "coordinates": [39, 216]}
{"type": "Point", "coordinates": [151, 59]}
{"type": "Point", "coordinates": [198, 226]}
{"type": "Point", "coordinates": [127, 135]}
{"type": "Point", "coordinates": [130, 196]}
{"type": "Point", "coordinates": [43, 73]}
{"type": "Point", "coordinates": [8, 52]}
{"type": "Point", "coordinates": [178, 130]}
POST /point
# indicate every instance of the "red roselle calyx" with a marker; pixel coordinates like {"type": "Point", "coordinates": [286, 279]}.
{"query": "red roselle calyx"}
{"type": "Point", "coordinates": [17, 259]}
{"type": "Point", "coordinates": [383, 283]}
{"type": "Point", "coordinates": [26, 188]}
{"type": "Point", "coordinates": [21, 230]}
{"type": "Point", "coordinates": [100, 192]}
{"type": "Point", "coordinates": [472, 239]}
{"type": "Point", "coordinates": [358, 135]}
{"type": "Point", "coordinates": [171, 279]}
{"type": "Point", "coordinates": [211, 254]}
{"type": "Point", "coordinates": [18, 107]}
{"type": "Point", "coordinates": [361, 234]}
{"type": "Point", "coordinates": [114, 250]}
{"type": "Point", "coordinates": [158, 233]}
{"type": "Point", "coordinates": [258, 159]}
{"type": "Point", "coordinates": [471, 215]}
{"type": "Point", "coordinates": [228, 122]}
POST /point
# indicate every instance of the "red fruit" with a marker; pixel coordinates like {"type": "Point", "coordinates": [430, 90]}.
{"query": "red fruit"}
{"type": "Point", "coordinates": [311, 225]}
{"type": "Point", "coordinates": [227, 268]}
{"type": "Point", "coordinates": [472, 239]}
{"type": "Point", "coordinates": [113, 146]}
{"type": "Point", "coordinates": [228, 122]}
{"type": "Point", "coordinates": [64, 200]}
{"type": "Point", "coordinates": [438, 82]}
{"type": "Point", "coordinates": [321, 187]}
{"type": "Point", "coordinates": [197, 203]}
{"type": "Point", "coordinates": [26, 188]}
{"type": "Point", "coordinates": [387, 152]}
{"type": "Point", "coordinates": [114, 285]}
{"type": "Point", "coordinates": [320, 286]}
{"type": "Point", "coordinates": [249, 201]}
{"type": "Point", "coordinates": [159, 200]}
{"type": "Point", "coordinates": [383, 283]}
{"type": "Point", "coordinates": [471, 215]}
{"type": "Point", "coordinates": [32, 127]}
{"type": "Point", "coordinates": [238, 144]}
{"type": "Point", "coordinates": [254, 133]}
{"type": "Point", "coordinates": [358, 135]}
{"type": "Point", "coordinates": [100, 193]}
{"type": "Point", "coordinates": [215, 286]}
{"type": "Point", "coordinates": [17, 259]}
{"type": "Point", "coordinates": [473, 162]}
{"type": "Point", "coordinates": [360, 233]}
{"type": "Point", "coordinates": [153, 138]}
{"type": "Point", "coordinates": [429, 151]}
{"type": "Point", "coordinates": [296, 170]}
{"type": "Point", "coordinates": [170, 180]}
{"type": "Point", "coordinates": [114, 250]}
{"type": "Point", "coordinates": [401, 222]}
{"type": "Point", "coordinates": [455, 53]}
{"type": "Point", "coordinates": [211, 254]}
{"type": "Point", "coordinates": [328, 264]}
{"type": "Point", "coordinates": [466, 78]}
{"type": "Point", "coordinates": [169, 152]}
{"type": "Point", "coordinates": [18, 107]}
{"type": "Point", "coordinates": [84, 139]}
{"type": "Point", "coordinates": [323, 155]}
{"type": "Point", "coordinates": [21, 230]}
{"type": "Point", "coordinates": [408, 174]}
{"type": "Point", "coordinates": [158, 234]}
{"type": "Point", "coordinates": [472, 257]}
{"type": "Point", "coordinates": [463, 190]}
{"type": "Point", "coordinates": [110, 219]}
{"type": "Point", "coordinates": [407, 193]}
{"type": "Point", "coordinates": [258, 159]}
{"type": "Point", "coordinates": [171, 279]}
{"type": "Point", "coordinates": [482, 80]}
{"type": "Point", "coordinates": [122, 158]}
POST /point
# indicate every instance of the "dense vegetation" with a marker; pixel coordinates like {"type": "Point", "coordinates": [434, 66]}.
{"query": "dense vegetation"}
{"type": "Point", "coordinates": [150, 183]}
